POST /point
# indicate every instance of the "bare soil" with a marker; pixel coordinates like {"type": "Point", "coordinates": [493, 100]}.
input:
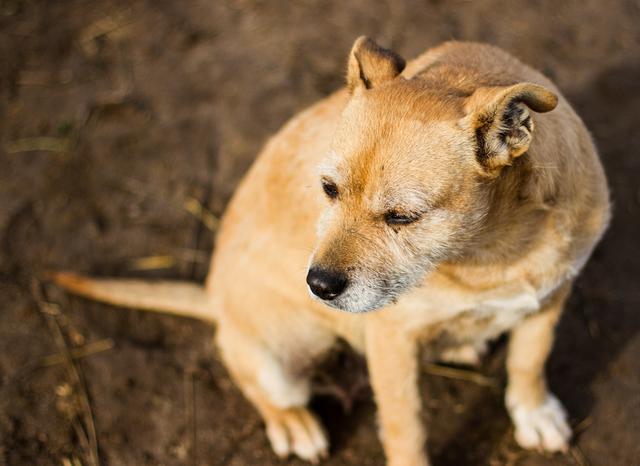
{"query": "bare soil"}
{"type": "Point", "coordinates": [116, 116]}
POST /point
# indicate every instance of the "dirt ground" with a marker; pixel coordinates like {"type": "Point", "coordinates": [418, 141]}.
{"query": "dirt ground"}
{"type": "Point", "coordinates": [119, 119]}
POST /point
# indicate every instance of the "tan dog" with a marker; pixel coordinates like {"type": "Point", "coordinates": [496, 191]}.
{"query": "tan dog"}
{"type": "Point", "coordinates": [439, 196]}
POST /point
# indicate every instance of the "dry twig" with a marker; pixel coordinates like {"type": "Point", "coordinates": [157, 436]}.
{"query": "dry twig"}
{"type": "Point", "coordinates": [77, 353]}
{"type": "Point", "coordinates": [460, 374]}
{"type": "Point", "coordinates": [51, 313]}
{"type": "Point", "coordinates": [578, 456]}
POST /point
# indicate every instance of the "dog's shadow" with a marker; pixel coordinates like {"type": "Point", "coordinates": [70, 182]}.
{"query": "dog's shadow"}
{"type": "Point", "coordinates": [600, 317]}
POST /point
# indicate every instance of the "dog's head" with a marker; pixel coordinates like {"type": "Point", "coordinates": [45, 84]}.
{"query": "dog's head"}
{"type": "Point", "coordinates": [408, 182]}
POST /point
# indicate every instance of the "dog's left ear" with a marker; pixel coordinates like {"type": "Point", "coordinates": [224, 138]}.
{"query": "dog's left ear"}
{"type": "Point", "coordinates": [371, 65]}
{"type": "Point", "coordinates": [502, 123]}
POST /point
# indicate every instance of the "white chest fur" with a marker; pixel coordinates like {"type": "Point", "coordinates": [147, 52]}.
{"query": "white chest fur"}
{"type": "Point", "coordinates": [507, 311]}
{"type": "Point", "coordinates": [447, 317]}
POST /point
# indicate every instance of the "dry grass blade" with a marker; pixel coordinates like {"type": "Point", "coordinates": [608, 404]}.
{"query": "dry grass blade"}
{"type": "Point", "coordinates": [583, 425]}
{"type": "Point", "coordinates": [190, 408]}
{"type": "Point", "coordinates": [73, 461]}
{"type": "Point", "coordinates": [166, 261]}
{"type": "Point", "coordinates": [195, 207]}
{"type": "Point", "coordinates": [460, 374]}
{"type": "Point", "coordinates": [77, 353]}
{"type": "Point", "coordinates": [46, 144]}
{"type": "Point", "coordinates": [51, 313]}
{"type": "Point", "coordinates": [153, 262]}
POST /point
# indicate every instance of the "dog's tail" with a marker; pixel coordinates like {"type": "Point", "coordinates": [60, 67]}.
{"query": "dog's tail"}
{"type": "Point", "coordinates": [180, 298]}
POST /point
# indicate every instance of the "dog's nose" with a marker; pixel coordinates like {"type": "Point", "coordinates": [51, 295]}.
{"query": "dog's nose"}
{"type": "Point", "coordinates": [326, 284]}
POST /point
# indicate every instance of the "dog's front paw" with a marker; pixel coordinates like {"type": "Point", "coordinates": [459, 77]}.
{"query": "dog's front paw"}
{"type": "Point", "coordinates": [543, 427]}
{"type": "Point", "coordinates": [297, 431]}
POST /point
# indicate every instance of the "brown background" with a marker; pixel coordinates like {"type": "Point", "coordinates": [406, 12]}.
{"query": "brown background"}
{"type": "Point", "coordinates": [148, 105]}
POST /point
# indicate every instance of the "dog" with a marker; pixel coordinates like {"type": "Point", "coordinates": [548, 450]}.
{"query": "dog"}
{"type": "Point", "coordinates": [431, 207]}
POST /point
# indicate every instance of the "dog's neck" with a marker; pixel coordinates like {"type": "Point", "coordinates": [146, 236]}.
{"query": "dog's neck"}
{"type": "Point", "coordinates": [519, 207]}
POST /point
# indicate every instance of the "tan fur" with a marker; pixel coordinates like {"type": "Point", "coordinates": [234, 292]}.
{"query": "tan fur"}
{"type": "Point", "coordinates": [509, 203]}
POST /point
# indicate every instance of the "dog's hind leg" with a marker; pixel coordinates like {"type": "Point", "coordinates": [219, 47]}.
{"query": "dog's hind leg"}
{"type": "Point", "coordinates": [466, 355]}
{"type": "Point", "coordinates": [278, 392]}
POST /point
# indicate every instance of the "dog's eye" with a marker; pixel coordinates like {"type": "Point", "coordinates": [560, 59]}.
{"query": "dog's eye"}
{"type": "Point", "coordinates": [330, 188]}
{"type": "Point", "coordinates": [393, 217]}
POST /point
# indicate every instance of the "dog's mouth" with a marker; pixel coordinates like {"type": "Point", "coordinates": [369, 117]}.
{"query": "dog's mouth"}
{"type": "Point", "coordinates": [360, 296]}
{"type": "Point", "coordinates": [347, 304]}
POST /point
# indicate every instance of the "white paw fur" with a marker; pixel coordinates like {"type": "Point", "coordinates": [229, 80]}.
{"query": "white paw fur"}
{"type": "Point", "coordinates": [543, 427]}
{"type": "Point", "coordinates": [297, 431]}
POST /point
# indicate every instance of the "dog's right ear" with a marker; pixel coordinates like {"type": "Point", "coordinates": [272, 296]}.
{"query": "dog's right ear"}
{"type": "Point", "coordinates": [502, 121]}
{"type": "Point", "coordinates": [371, 65]}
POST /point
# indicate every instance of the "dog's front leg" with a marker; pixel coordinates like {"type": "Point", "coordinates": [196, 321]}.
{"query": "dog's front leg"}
{"type": "Point", "coordinates": [393, 369]}
{"type": "Point", "coordinates": [539, 418]}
